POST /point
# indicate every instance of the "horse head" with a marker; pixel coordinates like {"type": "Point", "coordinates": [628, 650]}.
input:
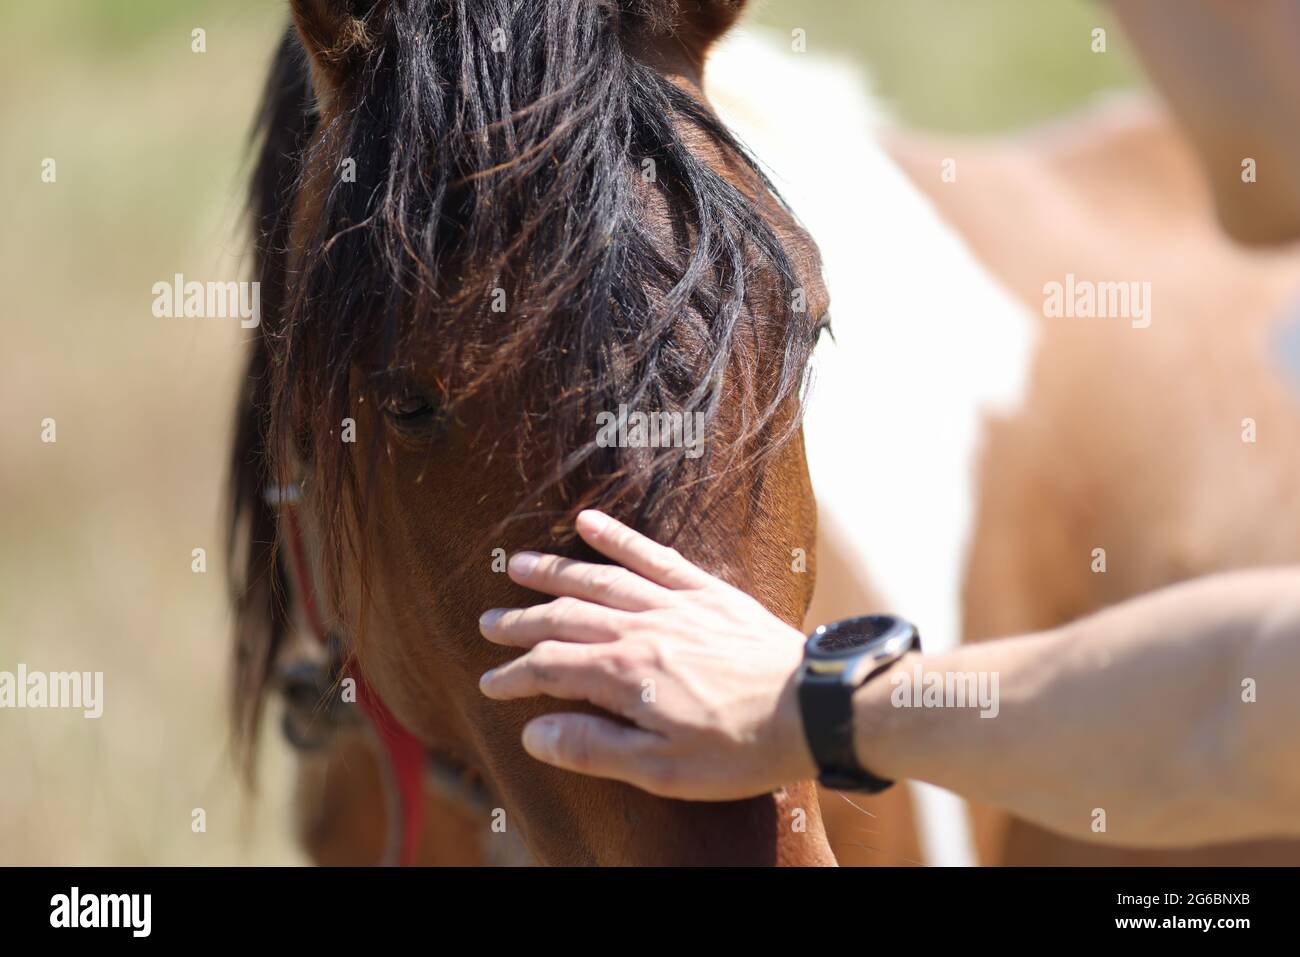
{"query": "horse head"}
{"type": "Point", "coordinates": [483, 227]}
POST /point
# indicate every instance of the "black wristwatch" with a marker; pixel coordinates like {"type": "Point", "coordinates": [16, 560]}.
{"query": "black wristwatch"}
{"type": "Point", "coordinates": [838, 659]}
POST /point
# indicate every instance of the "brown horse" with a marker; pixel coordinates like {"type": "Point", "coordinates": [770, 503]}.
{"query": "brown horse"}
{"type": "Point", "coordinates": [478, 226]}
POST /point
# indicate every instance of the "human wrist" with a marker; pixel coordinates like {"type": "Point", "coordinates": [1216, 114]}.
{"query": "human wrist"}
{"type": "Point", "coordinates": [877, 725]}
{"type": "Point", "coordinates": [797, 760]}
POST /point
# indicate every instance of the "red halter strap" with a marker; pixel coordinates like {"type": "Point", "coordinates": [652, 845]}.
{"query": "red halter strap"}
{"type": "Point", "coordinates": [403, 753]}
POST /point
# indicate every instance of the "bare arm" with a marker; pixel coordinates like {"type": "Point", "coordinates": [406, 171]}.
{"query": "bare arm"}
{"type": "Point", "coordinates": [1143, 711]}
{"type": "Point", "coordinates": [1177, 714]}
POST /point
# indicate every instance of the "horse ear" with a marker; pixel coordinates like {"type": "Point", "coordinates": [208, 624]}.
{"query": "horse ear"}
{"type": "Point", "coordinates": [713, 18]}
{"type": "Point", "coordinates": [338, 34]}
{"type": "Point", "coordinates": [698, 24]}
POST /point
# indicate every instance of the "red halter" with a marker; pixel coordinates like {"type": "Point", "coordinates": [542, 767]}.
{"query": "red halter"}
{"type": "Point", "coordinates": [404, 755]}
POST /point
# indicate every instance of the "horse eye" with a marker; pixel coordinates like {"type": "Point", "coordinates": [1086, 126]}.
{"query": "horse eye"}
{"type": "Point", "coordinates": [411, 412]}
{"type": "Point", "coordinates": [408, 407]}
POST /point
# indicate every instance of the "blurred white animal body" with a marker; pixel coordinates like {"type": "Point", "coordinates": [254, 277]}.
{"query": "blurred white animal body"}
{"type": "Point", "coordinates": [926, 343]}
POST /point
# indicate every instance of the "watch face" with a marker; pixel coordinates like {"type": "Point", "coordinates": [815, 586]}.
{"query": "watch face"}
{"type": "Point", "coordinates": [851, 636]}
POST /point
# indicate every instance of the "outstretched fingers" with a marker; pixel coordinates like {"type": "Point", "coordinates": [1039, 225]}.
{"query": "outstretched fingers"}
{"type": "Point", "coordinates": [604, 675]}
{"type": "Point", "coordinates": [661, 565]}
{"type": "Point", "coordinates": [589, 744]}
{"type": "Point", "coordinates": [564, 619]}
{"type": "Point", "coordinates": [604, 584]}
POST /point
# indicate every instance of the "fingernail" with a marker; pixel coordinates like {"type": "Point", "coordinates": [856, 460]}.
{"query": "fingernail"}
{"type": "Point", "coordinates": [524, 562]}
{"type": "Point", "coordinates": [485, 679]}
{"type": "Point", "coordinates": [490, 617]}
{"type": "Point", "coordinates": [540, 738]}
{"type": "Point", "coordinates": [595, 520]}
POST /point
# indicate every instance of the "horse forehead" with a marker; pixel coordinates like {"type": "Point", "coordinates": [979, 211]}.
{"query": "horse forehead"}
{"type": "Point", "coordinates": [799, 246]}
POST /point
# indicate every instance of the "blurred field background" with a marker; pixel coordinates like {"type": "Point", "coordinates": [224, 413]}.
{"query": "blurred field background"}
{"type": "Point", "coordinates": [96, 530]}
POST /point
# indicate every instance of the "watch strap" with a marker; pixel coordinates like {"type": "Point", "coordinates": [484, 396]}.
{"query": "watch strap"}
{"type": "Point", "coordinates": [827, 707]}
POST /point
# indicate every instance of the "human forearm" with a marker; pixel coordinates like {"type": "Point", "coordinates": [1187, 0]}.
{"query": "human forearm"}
{"type": "Point", "coordinates": [1137, 711]}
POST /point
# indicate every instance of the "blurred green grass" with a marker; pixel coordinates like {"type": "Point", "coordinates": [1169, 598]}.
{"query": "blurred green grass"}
{"type": "Point", "coordinates": [108, 29]}
{"type": "Point", "coordinates": [957, 65]}
{"type": "Point", "coordinates": [150, 141]}
{"type": "Point", "coordinates": [967, 65]}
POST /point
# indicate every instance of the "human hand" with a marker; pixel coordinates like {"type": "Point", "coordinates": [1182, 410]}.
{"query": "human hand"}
{"type": "Point", "coordinates": [703, 673]}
